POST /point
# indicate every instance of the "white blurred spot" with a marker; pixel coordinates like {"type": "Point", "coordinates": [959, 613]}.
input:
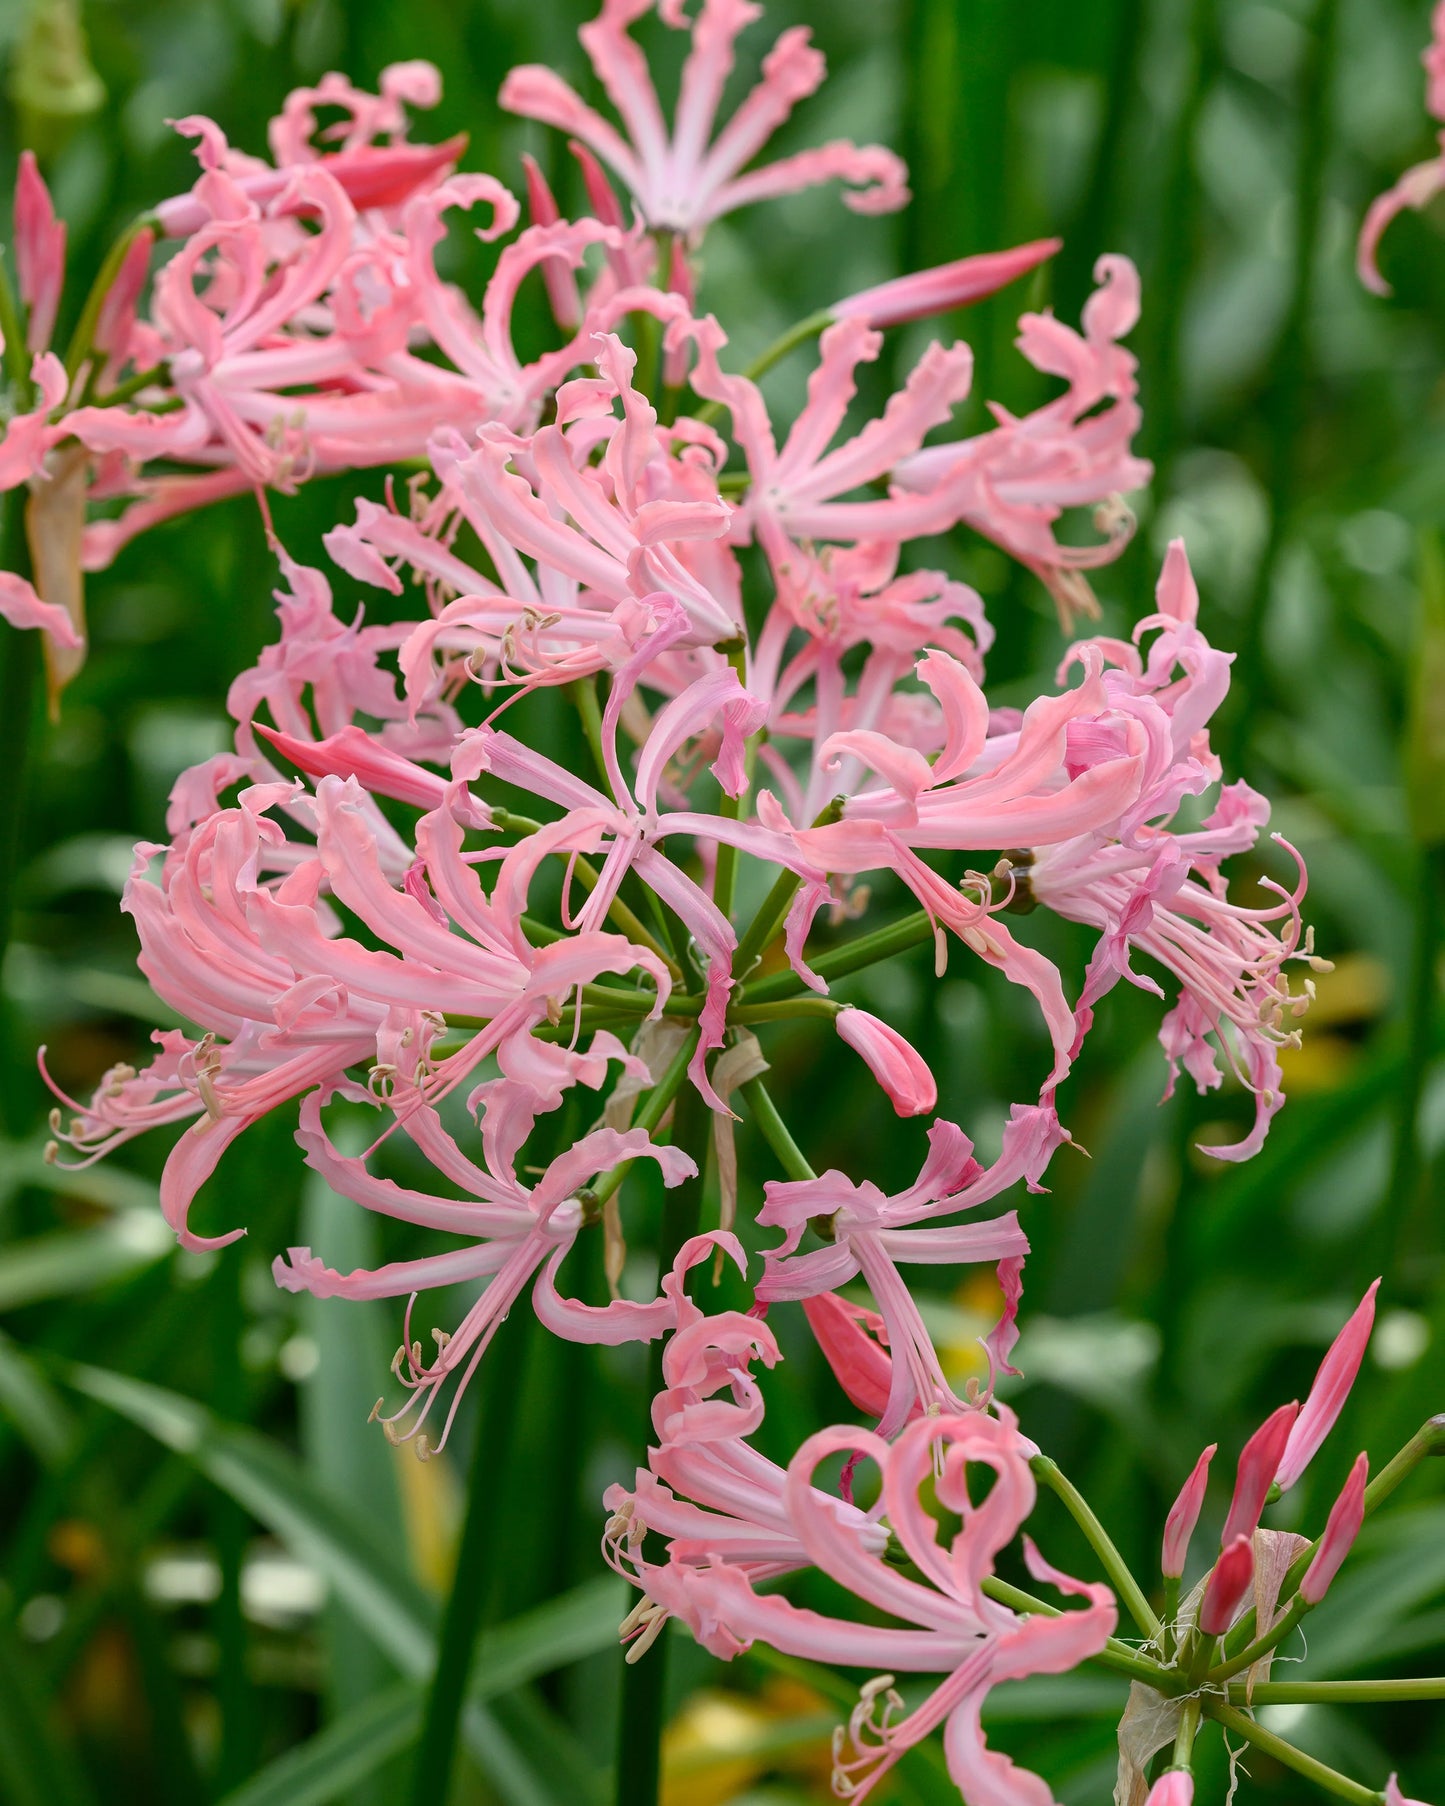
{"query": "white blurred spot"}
{"type": "Point", "coordinates": [1400, 1338]}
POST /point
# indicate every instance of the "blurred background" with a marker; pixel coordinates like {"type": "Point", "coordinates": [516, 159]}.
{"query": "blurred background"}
{"type": "Point", "coordinates": [233, 1599]}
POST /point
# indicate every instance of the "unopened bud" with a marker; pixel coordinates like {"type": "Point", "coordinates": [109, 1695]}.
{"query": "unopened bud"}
{"type": "Point", "coordinates": [1183, 1516]}
{"type": "Point", "coordinates": [1258, 1463]}
{"type": "Point", "coordinates": [899, 1068]}
{"type": "Point", "coordinates": [1328, 1393]}
{"type": "Point", "coordinates": [1346, 1516]}
{"type": "Point", "coordinates": [943, 288]}
{"type": "Point", "coordinates": [1227, 1586]}
{"type": "Point", "coordinates": [1175, 1787]}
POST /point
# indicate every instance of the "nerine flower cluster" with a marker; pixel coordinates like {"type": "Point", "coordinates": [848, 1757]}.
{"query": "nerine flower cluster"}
{"type": "Point", "coordinates": [387, 894]}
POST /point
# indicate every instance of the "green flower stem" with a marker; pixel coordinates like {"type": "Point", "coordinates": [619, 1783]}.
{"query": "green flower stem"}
{"type": "Point", "coordinates": [1261, 1646]}
{"type": "Point", "coordinates": [624, 1002]}
{"type": "Point", "coordinates": [811, 328]}
{"type": "Point", "coordinates": [1319, 1772]}
{"type": "Point", "coordinates": [482, 1550]}
{"type": "Point", "coordinates": [1100, 1542]}
{"type": "Point", "coordinates": [727, 855]}
{"type": "Point", "coordinates": [583, 692]}
{"type": "Point", "coordinates": [775, 1131]}
{"type": "Point", "coordinates": [768, 922]}
{"type": "Point", "coordinates": [1428, 1440]}
{"type": "Point", "coordinates": [786, 1011]}
{"type": "Point", "coordinates": [1117, 1657]}
{"type": "Point", "coordinates": [1185, 1735]}
{"type": "Point", "coordinates": [658, 1102]}
{"type": "Point", "coordinates": [133, 385]}
{"type": "Point", "coordinates": [644, 1683]}
{"type": "Point", "coordinates": [883, 943]}
{"type": "Point", "coordinates": [1338, 1693]}
{"type": "Point", "coordinates": [1171, 1612]}
{"type": "Point", "coordinates": [81, 339]}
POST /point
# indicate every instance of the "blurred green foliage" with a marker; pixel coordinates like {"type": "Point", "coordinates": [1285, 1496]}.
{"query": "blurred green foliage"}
{"type": "Point", "coordinates": [192, 1590]}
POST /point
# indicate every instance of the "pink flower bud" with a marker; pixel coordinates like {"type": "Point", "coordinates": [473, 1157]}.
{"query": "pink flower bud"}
{"type": "Point", "coordinates": [1175, 1787]}
{"type": "Point", "coordinates": [1258, 1463]}
{"type": "Point", "coordinates": [898, 1068]}
{"type": "Point", "coordinates": [39, 252]}
{"type": "Point", "coordinates": [1328, 1393]}
{"type": "Point", "coordinates": [1393, 1796]}
{"type": "Point", "coordinates": [1346, 1516]}
{"type": "Point", "coordinates": [1228, 1584]}
{"type": "Point", "coordinates": [557, 274]}
{"type": "Point", "coordinates": [854, 1344]}
{"type": "Point", "coordinates": [946, 286]}
{"type": "Point", "coordinates": [1183, 1516]}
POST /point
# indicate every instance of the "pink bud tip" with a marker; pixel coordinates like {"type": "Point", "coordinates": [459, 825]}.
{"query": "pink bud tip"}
{"type": "Point", "coordinates": [1183, 1516]}
{"type": "Point", "coordinates": [1393, 1796]}
{"type": "Point", "coordinates": [1258, 1463]}
{"type": "Point", "coordinates": [1227, 1587]}
{"type": "Point", "coordinates": [1329, 1392]}
{"type": "Point", "coordinates": [1346, 1516]}
{"type": "Point", "coordinates": [944, 287]}
{"type": "Point", "coordinates": [898, 1068]}
{"type": "Point", "coordinates": [1175, 1787]}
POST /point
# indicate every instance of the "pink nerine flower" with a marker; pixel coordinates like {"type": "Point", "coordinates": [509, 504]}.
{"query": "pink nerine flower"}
{"type": "Point", "coordinates": [1154, 889]}
{"type": "Point", "coordinates": [683, 179]}
{"type": "Point", "coordinates": [870, 1233]}
{"type": "Point", "coordinates": [1418, 186]}
{"type": "Point", "coordinates": [945, 1623]}
{"type": "Point", "coordinates": [516, 1233]}
{"type": "Point", "coordinates": [705, 1488]}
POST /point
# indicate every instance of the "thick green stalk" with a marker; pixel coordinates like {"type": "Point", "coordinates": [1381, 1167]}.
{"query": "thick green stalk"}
{"type": "Point", "coordinates": [775, 1131]}
{"type": "Point", "coordinates": [483, 1546]}
{"type": "Point", "coordinates": [644, 1682]}
{"type": "Point", "coordinates": [1319, 1772]}
{"type": "Point", "coordinates": [1117, 1569]}
{"type": "Point", "coordinates": [785, 1011]}
{"type": "Point", "coordinates": [1338, 1693]}
{"type": "Point", "coordinates": [867, 950]}
{"type": "Point", "coordinates": [1184, 1737]}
